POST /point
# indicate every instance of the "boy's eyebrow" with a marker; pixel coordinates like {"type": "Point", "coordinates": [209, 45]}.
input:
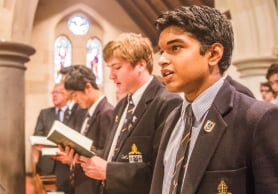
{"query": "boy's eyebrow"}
{"type": "Point", "coordinates": [177, 40]}
{"type": "Point", "coordinates": [114, 64]}
{"type": "Point", "coordinates": [174, 41]}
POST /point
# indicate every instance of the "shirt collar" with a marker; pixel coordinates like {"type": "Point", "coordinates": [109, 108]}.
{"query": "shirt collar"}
{"type": "Point", "coordinates": [136, 96]}
{"type": "Point", "coordinates": [204, 101]}
{"type": "Point", "coordinates": [92, 108]}
{"type": "Point", "coordinates": [62, 109]}
{"type": "Point", "coordinates": [70, 104]}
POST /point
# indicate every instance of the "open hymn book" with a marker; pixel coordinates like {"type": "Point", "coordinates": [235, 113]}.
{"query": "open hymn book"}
{"type": "Point", "coordinates": [66, 136]}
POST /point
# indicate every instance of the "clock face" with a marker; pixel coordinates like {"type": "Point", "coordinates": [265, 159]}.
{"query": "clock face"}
{"type": "Point", "coordinates": [78, 25]}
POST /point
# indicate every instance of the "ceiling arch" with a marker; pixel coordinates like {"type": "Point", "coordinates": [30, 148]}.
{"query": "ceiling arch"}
{"type": "Point", "coordinates": [144, 12]}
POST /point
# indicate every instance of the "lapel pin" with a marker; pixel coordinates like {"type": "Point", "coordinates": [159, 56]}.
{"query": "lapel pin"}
{"type": "Point", "coordinates": [116, 119]}
{"type": "Point", "coordinates": [134, 118]}
{"type": "Point", "coordinates": [209, 126]}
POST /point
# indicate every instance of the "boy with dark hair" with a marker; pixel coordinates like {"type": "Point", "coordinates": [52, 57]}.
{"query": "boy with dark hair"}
{"type": "Point", "coordinates": [81, 83]}
{"type": "Point", "coordinates": [219, 140]}
{"type": "Point", "coordinates": [272, 77]}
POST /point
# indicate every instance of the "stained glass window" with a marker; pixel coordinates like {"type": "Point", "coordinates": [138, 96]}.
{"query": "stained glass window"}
{"type": "Point", "coordinates": [62, 55]}
{"type": "Point", "coordinates": [79, 24]}
{"type": "Point", "coordinates": [94, 58]}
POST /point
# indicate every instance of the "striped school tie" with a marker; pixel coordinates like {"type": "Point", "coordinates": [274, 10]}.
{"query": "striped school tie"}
{"type": "Point", "coordinates": [182, 154]}
{"type": "Point", "coordinates": [127, 123]}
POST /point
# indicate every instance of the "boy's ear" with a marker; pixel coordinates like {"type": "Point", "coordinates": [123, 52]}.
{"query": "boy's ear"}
{"type": "Point", "coordinates": [141, 64]}
{"type": "Point", "coordinates": [88, 86]}
{"type": "Point", "coordinates": [216, 52]}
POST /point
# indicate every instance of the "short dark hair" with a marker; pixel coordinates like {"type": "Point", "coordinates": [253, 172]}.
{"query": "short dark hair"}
{"type": "Point", "coordinates": [77, 78]}
{"type": "Point", "coordinates": [273, 68]}
{"type": "Point", "coordinates": [267, 84]}
{"type": "Point", "coordinates": [206, 24]}
{"type": "Point", "coordinates": [65, 70]}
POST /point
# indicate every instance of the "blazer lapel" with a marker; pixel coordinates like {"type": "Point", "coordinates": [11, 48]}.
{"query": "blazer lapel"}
{"type": "Point", "coordinates": [207, 140]}
{"type": "Point", "coordinates": [145, 100]}
{"type": "Point", "coordinates": [139, 111]}
{"type": "Point", "coordinates": [91, 122]}
{"type": "Point", "coordinates": [170, 124]}
{"type": "Point", "coordinates": [96, 112]}
{"type": "Point", "coordinates": [204, 148]}
{"type": "Point", "coordinates": [118, 113]}
{"type": "Point", "coordinates": [142, 106]}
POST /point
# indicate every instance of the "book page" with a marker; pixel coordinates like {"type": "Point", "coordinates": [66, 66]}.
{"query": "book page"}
{"type": "Point", "coordinates": [50, 151]}
{"type": "Point", "coordinates": [41, 140]}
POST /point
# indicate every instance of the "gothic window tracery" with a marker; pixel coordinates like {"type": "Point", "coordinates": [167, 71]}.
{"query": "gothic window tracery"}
{"type": "Point", "coordinates": [62, 55]}
{"type": "Point", "coordinates": [94, 58]}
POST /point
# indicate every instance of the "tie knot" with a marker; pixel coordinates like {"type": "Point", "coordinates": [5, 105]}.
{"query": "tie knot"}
{"type": "Point", "coordinates": [59, 114]}
{"type": "Point", "coordinates": [189, 113]}
{"type": "Point", "coordinates": [129, 99]}
{"type": "Point", "coordinates": [130, 105]}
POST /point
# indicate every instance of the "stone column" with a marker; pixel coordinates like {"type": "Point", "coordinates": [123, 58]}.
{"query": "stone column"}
{"type": "Point", "coordinates": [255, 29]}
{"type": "Point", "coordinates": [12, 116]}
{"type": "Point", "coordinates": [252, 71]}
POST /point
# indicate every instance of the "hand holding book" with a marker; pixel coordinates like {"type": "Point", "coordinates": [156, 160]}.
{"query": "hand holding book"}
{"type": "Point", "coordinates": [65, 136]}
{"type": "Point", "coordinates": [65, 156]}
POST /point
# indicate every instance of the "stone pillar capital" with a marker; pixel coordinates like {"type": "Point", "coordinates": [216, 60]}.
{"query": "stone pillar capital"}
{"type": "Point", "coordinates": [255, 66]}
{"type": "Point", "coordinates": [13, 54]}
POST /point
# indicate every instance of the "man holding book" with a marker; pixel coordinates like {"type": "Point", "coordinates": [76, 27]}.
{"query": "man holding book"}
{"type": "Point", "coordinates": [73, 117]}
{"type": "Point", "coordinates": [81, 82]}
{"type": "Point", "coordinates": [45, 165]}
{"type": "Point", "coordinates": [65, 113]}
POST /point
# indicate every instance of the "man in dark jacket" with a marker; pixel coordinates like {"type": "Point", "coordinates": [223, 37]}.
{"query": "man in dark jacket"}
{"type": "Point", "coordinates": [81, 83]}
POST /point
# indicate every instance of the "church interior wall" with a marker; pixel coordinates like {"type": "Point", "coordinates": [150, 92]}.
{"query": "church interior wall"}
{"type": "Point", "coordinates": [255, 31]}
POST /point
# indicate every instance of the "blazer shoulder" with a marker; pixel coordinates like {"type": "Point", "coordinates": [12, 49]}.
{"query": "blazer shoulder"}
{"type": "Point", "coordinates": [259, 109]}
{"type": "Point", "coordinates": [105, 105]}
{"type": "Point", "coordinates": [165, 96]}
{"type": "Point", "coordinates": [47, 111]}
{"type": "Point", "coordinates": [240, 87]}
{"type": "Point", "coordinates": [159, 91]}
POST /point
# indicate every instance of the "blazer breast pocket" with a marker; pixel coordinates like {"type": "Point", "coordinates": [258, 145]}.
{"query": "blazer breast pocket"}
{"type": "Point", "coordinates": [136, 149]}
{"type": "Point", "coordinates": [224, 181]}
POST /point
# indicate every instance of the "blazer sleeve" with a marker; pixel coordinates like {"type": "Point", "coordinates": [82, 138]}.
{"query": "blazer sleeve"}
{"type": "Point", "coordinates": [265, 152]}
{"type": "Point", "coordinates": [40, 127]}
